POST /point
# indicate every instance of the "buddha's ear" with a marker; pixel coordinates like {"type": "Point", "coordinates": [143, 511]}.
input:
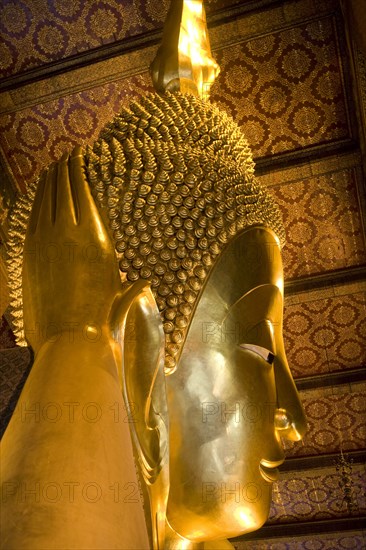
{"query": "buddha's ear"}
{"type": "Point", "coordinates": [138, 328]}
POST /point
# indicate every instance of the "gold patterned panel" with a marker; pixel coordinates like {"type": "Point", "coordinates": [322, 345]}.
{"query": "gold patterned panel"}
{"type": "Point", "coordinates": [311, 168]}
{"type": "Point", "coordinates": [348, 540]}
{"type": "Point", "coordinates": [15, 364]}
{"type": "Point", "coordinates": [336, 420]}
{"type": "Point", "coordinates": [285, 89]}
{"type": "Point", "coordinates": [7, 337]}
{"type": "Point", "coordinates": [323, 223]}
{"type": "Point", "coordinates": [317, 494]}
{"type": "Point", "coordinates": [325, 334]}
{"type": "Point", "coordinates": [112, 70]}
{"type": "Point", "coordinates": [135, 62]}
{"type": "Point", "coordinates": [35, 33]}
{"type": "Point", "coordinates": [34, 137]}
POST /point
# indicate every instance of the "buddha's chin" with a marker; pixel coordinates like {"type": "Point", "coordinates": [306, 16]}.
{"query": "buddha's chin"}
{"type": "Point", "coordinates": [225, 520]}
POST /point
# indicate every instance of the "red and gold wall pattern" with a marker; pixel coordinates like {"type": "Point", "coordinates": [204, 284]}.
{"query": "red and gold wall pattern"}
{"type": "Point", "coordinates": [285, 89]}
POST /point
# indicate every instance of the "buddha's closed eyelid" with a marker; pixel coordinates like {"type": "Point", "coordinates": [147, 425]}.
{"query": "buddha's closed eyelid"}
{"type": "Point", "coordinates": [260, 339]}
{"type": "Point", "coordinates": [266, 354]}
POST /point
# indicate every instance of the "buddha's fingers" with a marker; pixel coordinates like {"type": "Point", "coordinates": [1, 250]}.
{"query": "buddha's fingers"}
{"type": "Point", "coordinates": [42, 210]}
{"type": "Point", "coordinates": [66, 203]}
{"type": "Point", "coordinates": [88, 215]}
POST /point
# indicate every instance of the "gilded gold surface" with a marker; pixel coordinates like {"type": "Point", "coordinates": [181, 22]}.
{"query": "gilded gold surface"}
{"type": "Point", "coordinates": [233, 357]}
{"type": "Point", "coordinates": [200, 284]}
{"type": "Point", "coordinates": [79, 367]}
{"type": "Point", "coordinates": [175, 179]}
{"type": "Point", "coordinates": [232, 353]}
{"type": "Point", "coordinates": [184, 61]}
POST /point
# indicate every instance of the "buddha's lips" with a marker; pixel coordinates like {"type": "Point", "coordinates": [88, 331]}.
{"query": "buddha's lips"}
{"type": "Point", "coordinates": [270, 473]}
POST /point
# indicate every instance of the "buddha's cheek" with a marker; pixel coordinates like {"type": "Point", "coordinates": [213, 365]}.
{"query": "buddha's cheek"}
{"type": "Point", "coordinates": [220, 430]}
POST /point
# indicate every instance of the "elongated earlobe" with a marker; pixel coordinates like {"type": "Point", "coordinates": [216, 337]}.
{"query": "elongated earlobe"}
{"type": "Point", "coordinates": [137, 327]}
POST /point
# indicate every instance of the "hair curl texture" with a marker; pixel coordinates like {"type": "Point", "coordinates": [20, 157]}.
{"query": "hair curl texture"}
{"type": "Point", "coordinates": [174, 176]}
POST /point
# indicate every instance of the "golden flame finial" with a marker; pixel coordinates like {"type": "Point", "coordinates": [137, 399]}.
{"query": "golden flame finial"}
{"type": "Point", "coordinates": [184, 61]}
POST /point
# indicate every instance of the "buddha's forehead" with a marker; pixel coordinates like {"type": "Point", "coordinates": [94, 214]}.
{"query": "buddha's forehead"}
{"type": "Point", "coordinates": [252, 259]}
{"type": "Point", "coordinates": [244, 289]}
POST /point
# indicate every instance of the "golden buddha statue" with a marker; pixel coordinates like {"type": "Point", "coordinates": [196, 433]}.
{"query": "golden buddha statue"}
{"type": "Point", "coordinates": [152, 297]}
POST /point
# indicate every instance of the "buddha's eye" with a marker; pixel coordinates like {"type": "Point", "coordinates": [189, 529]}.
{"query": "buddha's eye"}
{"type": "Point", "coordinates": [259, 350]}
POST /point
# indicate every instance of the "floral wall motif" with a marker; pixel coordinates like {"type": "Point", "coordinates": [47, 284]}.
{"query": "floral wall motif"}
{"type": "Point", "coordinates": [7, 338]}
{"type": "Point", "coordinates": [285, 89]}
{"type": "Point", "coordinates": [323, 224]}
{"type": "Point", "coordinates": [336, 419]}
{"type": "Point", "coordinates": [326, 335]}
{"type": "Point", "coordinates": [352, 540]}
{"type": "Point", "coordinates": [37, 32]}
{"type": "Point", "coordinates": [34, 137]}
{"type": "Point", "coordinates": [14, 368]}
{"type": "Point", "coordinates": [315, 495]}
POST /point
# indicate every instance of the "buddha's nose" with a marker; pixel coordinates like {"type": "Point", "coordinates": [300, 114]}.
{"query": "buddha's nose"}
{"type": "Point", "coordinates": [290, 419]}
{"type": "Point", "coordinates": [291, 426]}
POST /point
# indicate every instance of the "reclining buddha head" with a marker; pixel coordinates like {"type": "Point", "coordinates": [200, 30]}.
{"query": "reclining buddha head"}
{"type": "Point", "coordinates": [175, 179]}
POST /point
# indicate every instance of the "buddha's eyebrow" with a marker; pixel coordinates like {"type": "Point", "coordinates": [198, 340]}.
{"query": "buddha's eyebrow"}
{"type": "Point", "coordinates": [260, 339]}
{"type": "Point", "coordinates": [259, 311]}
{"type": "Point", "coordinates": [259, 303]}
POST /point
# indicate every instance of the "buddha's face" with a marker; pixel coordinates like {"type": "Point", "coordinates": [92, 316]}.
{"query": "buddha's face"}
{"type": "Point", "coordinates": [232, 396]}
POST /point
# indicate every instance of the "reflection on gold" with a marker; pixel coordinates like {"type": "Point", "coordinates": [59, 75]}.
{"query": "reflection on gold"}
{"type": "Point", "coordinates": [184, 61]}
{"type": "Point", "coordinates": [245, 519]}
{"type": "Point", "coordinates": [189, 345]}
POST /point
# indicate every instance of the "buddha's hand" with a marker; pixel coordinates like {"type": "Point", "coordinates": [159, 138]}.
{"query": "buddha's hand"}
{"type": "Point", "coordinates": [70, 274]}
